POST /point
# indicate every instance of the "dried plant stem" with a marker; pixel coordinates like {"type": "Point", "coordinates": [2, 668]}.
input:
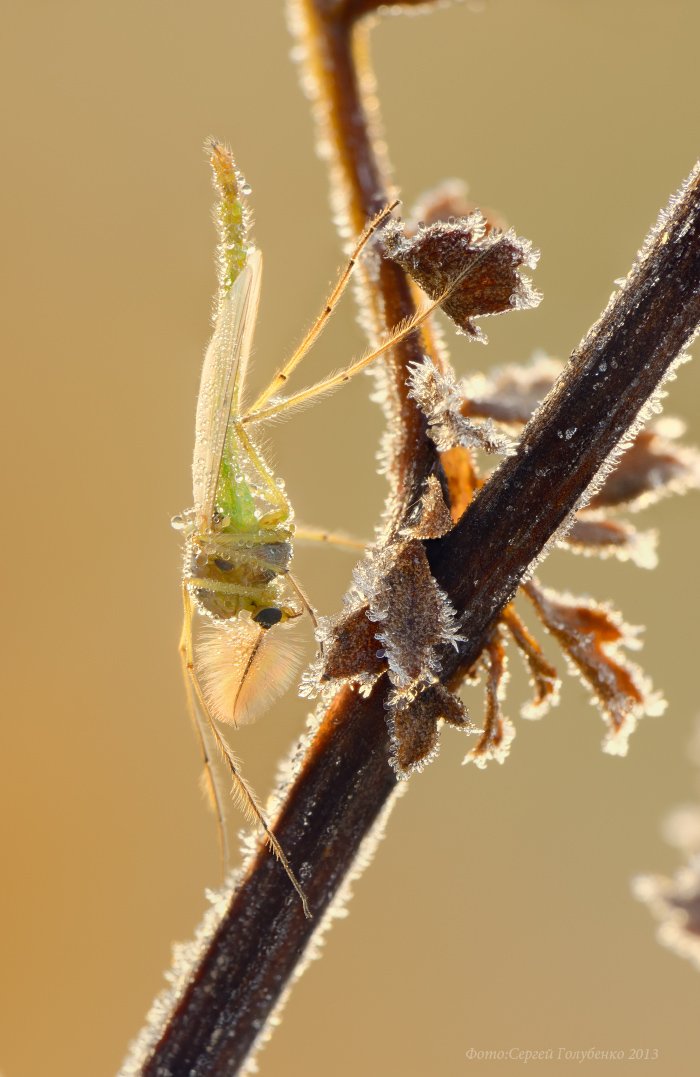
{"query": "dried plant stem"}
{"type": "Point", "coordinates": [345, 780]}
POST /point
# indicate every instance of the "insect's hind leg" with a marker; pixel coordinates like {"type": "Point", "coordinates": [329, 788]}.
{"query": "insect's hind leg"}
{"type": "Point", "coordinates": [201, 728]}
{"type": "Point", "coordinates": [244, 791]}
{"type": "Point", "coordinates": [318, 326]}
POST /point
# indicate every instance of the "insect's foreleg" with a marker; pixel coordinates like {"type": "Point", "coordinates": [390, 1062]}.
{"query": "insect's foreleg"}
{"type": "Point", "coordinates": [318, 326]}
{"type": "Point", "coordinates": [396, 335]}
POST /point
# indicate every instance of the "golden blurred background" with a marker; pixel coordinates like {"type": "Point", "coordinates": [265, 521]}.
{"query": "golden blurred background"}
{"type": "Point", "coordinates": [497, 913]}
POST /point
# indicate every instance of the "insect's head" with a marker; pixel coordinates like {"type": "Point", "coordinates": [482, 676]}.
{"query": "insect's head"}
{"type": "Point", "coordinates": [269, 616]}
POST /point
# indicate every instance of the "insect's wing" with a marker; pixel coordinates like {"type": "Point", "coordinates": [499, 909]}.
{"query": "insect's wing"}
{"type": "Point", "coordinates": [223, 374]}
{"type": "Point", "coordinates": [242, 668]}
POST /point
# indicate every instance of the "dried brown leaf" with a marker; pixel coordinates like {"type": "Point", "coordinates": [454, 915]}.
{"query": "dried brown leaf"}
{"type": "Point", "coordinates": [432, 518]}
{"type": "Point", "coordinates": [449, 200]}
{"type": "Point", "coordinates": [440, 399]}
{"type": "Point", "coordinates": [498, 732]}
{"type": "Point", "coordinates": [413, 726]}
{"type": "Point", "coordinates": [654, 466]}
{"type": "Point", "coordinates": [415, 618]}
{"type": "Point", "coordinates": [591, 637]}
{"type": "Point", "coordinates": [437, 255]}
{"type": "Point", "coordinates": [544, 678]}
{"type": "Point", "coordinates": [591, 534]}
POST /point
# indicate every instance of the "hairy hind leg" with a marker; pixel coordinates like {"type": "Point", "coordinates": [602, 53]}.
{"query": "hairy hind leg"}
{"type": "Point", "coordinates": [243, 790]}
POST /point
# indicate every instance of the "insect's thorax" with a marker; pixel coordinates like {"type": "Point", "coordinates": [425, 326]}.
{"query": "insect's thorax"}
{"type": "Point", "coordinates": [243, 553]}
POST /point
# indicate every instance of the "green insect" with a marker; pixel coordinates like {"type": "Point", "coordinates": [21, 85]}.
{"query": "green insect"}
{"type": "Point", "coordinates": [237, 586]}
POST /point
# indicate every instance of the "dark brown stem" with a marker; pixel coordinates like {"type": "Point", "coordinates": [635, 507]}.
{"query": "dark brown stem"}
{"type": "Point", "coordinates": [345, 780]}
{"type": "Point", "coordinates": [337, 63]}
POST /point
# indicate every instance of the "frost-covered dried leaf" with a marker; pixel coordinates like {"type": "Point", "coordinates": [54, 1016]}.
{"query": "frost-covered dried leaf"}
{"type": "Point", "coordinates": [591, 637]}
{"type": "Point", "coordinates": [544, 678]}
{"type": "Point", "coordinates": [447, 201]}
{"type": "Point", "coordinates": [350, 652]}
{"type": "Point", "coordinates": [414, 617]}
{"type": "Point", "coordinates": [498, 732]}
{"type": "Point", "coordinates": [675, 903]}
{"type": "Point", "coordinates": [432, 518]}
{"type": "Point", "coordinates": [488, 265]}
{"type": "Point", "coordinates": [413, 726]}
{"type": "Point", "coordinates": [440, 399]}
{"type": "Point", "coordinates": [591, 534]}
{"type": "Point", "coordinates": [654, 466]}
{"type": "Point", "coordinates": [512, 393]}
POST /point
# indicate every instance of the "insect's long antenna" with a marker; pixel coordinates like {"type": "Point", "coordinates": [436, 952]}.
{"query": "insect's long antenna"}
{"type": "Point", "coordinates": [319, 325]}
{"type": "Point", "coordinates": [398, 333]}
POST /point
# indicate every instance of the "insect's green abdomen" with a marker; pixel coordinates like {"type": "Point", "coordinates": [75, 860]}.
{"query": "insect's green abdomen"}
{"type": "Point", "coordinates": [234, 498]}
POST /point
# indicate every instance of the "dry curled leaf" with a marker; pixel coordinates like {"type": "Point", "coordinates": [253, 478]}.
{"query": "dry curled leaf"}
{"type": "Point", "coordinates": [413, 726]}
{"type": "Point", "coordinates": [489, 264]}
{"type": "Point", "coordinates": [447, 201]}
{"type": "Point", "coordinates": [498, 732]}
{"type": "Point", "coordinates": [654, 466]}
{"type": "Point", "coordinates": [414, 617]}
{"type": "Point", "coordinates": [675, 903]}
{"type": "Point", "coordinates": [544, 679]}
{"type": "Point", "coordinates": [432, 518]}
{"type": "Point", "coordinates": [591, 637]}
{"type": "Point", "coordinates": [593, 534]}
{"type": "Point", "coordinates": [440, 399]}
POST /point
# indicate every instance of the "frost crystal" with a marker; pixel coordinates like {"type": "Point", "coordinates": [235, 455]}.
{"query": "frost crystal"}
{"type": "Point", "coordinates": [441, 399]}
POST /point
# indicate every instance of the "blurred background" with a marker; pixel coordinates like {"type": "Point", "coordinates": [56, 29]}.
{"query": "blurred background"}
{"type": "Point", "coordinates": [497, 912]}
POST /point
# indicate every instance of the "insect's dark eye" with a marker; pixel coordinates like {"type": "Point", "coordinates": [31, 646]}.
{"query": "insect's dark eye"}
{"type": "Point", "coordinates": [225, 566]}
{"type": "Point", "coordinates": [268, 617]}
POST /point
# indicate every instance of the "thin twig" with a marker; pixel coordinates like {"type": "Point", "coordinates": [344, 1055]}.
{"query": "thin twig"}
{"type": "Point", "coordinates": [345, 779]}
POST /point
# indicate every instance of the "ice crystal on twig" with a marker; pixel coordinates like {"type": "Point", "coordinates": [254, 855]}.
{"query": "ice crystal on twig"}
{"type": "Point", "coordinates": [487, 261]}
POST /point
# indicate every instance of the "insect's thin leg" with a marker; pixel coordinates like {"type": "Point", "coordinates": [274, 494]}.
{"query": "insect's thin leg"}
{"type": "Point", "coordinates": [318, 326]}
{"type": "Point", "coordinates": [399, 333]}
{"type": "Point", "coordinates": [201, 727]}
{"type": "Point", "coordinates": [245, 793]}
{"type": "Point", "coordinates": [275, 495]}
{"type": "Point", "coordinates": [301, 595]}
{"type": "Point", "coordinates": [330, 538]}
